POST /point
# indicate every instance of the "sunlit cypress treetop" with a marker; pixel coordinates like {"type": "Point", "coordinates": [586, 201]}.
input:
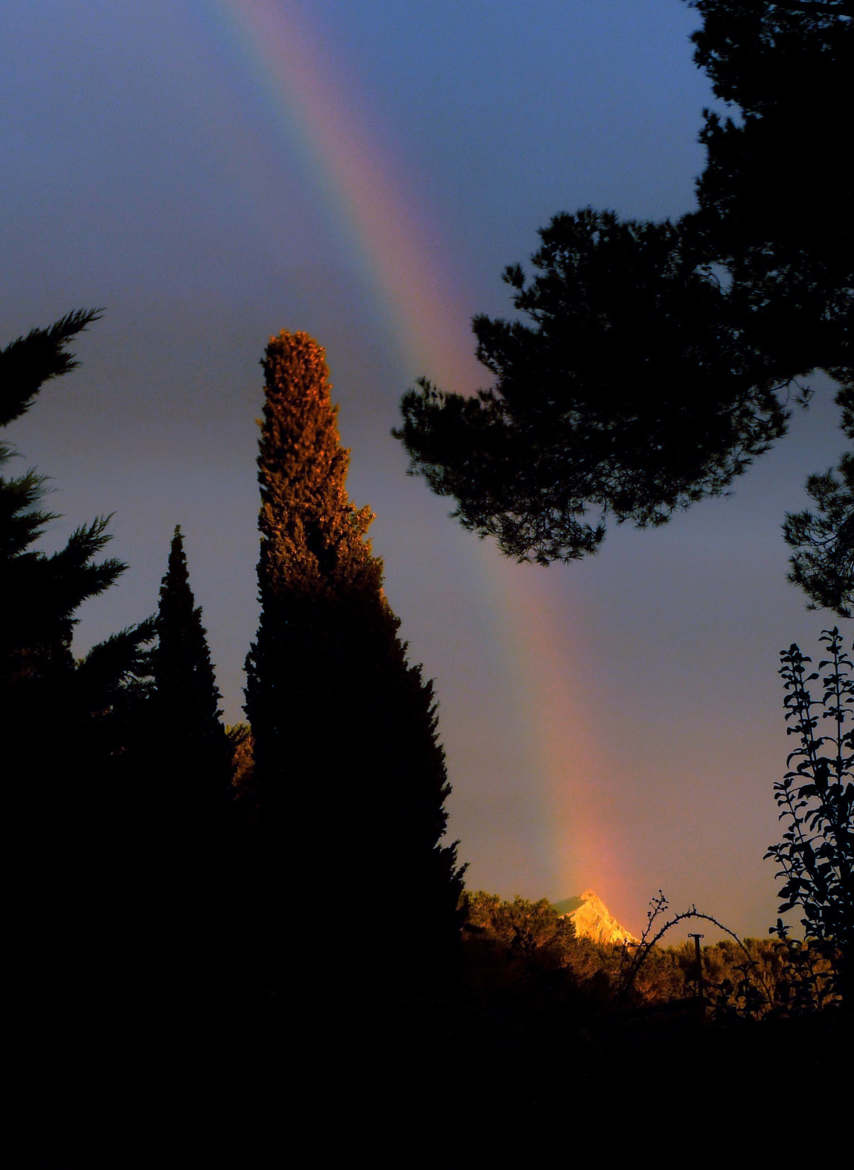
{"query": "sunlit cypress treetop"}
{"type": "Point", "coordinates": [312, 536]}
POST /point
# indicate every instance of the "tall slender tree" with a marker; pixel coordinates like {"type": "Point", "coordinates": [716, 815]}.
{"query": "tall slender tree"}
{"type": "Point", "coordinates": [195, 755]}
{"type": "Point", "coordinates": [190, 789]}
{"type": "Point", "coordinates": [350, 778]}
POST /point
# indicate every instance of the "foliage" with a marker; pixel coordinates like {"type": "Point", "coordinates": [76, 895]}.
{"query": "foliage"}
{"type": "Point", "coordinates": [349, 776]}
{"type": "Point", "coordinates": [762, 979]}
{"type": "Point", "coordinates": [823, 540]}
{"type": "Point", "coordinates": [76, 794]}
{"type": "Point", "coordinates": [653, 361]}
{"type": "Point", "coordinates": [816, 802]}
{"type": "Point", "coordinates": [239, 737]}
{"type": "Point", "coordinates": [522, 950]}
{"type": "Point", "coordinates": [41, 592]}
{"type": "Point", "coordinates": [28, 362]}
{"type": "Point", "coordinates": [783, 67]}
{"type": "Point", "coordinates": [529, 954]}
{"type": "Point", "coordinates": [528, 930]}
{"type": "Point", "coordinates": [633, 392]}
{"type": "Point", "coordinates": [743, 986]}
{"type": "Point", "coordinates": [41, 683]}
{"type": "Point", "coordinates": [114, 680]}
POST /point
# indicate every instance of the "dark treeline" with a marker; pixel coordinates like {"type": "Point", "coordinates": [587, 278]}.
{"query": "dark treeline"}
{"type": "Point", "coordinates": [521, 955]}
{"type": "Point", "coordinates": [570, 1024]}
{"type": "Point", "coordinates": [183, 895]}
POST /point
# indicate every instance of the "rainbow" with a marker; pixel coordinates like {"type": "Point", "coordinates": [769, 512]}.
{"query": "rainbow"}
{"type": "Point", "coordinates": [393, 238]}
{"type": "Point", "coordinates": [395, 244]}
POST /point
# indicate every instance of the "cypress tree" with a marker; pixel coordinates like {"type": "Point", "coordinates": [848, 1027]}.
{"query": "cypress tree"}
{"type": "Point", "coordinates": [349, 777]}
{"type": "Point", "coordinates": [191, 925]}
{"type": "Point", "coordinates": [195, 756]}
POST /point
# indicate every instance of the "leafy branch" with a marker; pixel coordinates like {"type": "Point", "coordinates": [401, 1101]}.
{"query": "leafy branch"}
{"type": "Point", "coordinates": [816, 802]}
{"type": "Point", "coordinates": [658, 906]}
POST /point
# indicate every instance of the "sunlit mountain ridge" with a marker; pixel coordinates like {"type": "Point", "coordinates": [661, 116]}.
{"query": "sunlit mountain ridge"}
{"type": "Point", "coordinates": [592, 919]}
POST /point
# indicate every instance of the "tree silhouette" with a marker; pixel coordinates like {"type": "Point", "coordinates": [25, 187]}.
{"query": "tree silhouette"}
{"type": "Point", "coordinates": [823, 540]}
{"type": "Point", "coordinates": [72, 792]}
{"type": "Point", "coordinates": [349, 777]}
{"type": "Point", "coordinates": [655, 361]}
{"type": "Point", "coordinates": [64, 711]}
{"type": "Point", "coordinates": [42, 592]}
{"type": "Point", "coordinates": [196, 758]}
{"type": "Point", "coordinates": [189, 760]}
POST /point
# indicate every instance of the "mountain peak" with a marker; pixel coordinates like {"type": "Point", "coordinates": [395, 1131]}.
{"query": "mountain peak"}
{"type": "Point", "coordinates": [592, 919]}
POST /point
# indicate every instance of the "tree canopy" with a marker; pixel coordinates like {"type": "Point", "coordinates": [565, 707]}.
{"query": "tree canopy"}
{"type": "Point", "coordinates": [650, 362]}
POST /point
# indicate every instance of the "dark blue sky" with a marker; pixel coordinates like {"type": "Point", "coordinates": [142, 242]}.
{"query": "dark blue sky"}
{"type": "Point", "coordinates": [614, 724]}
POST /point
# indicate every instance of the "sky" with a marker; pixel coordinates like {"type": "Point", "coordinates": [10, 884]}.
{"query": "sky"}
{"type": "Point", "coordinates": [214, 171]}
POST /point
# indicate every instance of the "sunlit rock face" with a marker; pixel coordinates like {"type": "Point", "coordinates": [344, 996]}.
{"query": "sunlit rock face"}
{"type": "Point", "coordinates": [592, 919]}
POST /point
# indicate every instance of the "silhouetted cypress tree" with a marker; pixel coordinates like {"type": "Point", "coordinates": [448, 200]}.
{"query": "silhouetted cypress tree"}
{"type": "Point", "coordinates": [195, 758]}
{"type": "Point", "coordinates": [349, 777]}
{"type": "Point", "coordinates": [190, 792]}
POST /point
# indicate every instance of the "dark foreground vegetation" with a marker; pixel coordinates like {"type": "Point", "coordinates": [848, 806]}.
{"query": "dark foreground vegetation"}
{"type": "Point", "coordinates": [569, 1014]}
{"type": "Point", "coordinates": [176, 916]}
{"type": "Point", "coordinates": [182, 955]}
{"type": "Point", "coordinates": [524, 949]}
{"type": "Point", "coordinates": [177, 937]}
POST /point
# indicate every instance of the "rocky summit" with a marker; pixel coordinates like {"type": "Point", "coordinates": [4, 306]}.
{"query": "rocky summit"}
{"type": "Point", "coordinates": [592, 919]}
